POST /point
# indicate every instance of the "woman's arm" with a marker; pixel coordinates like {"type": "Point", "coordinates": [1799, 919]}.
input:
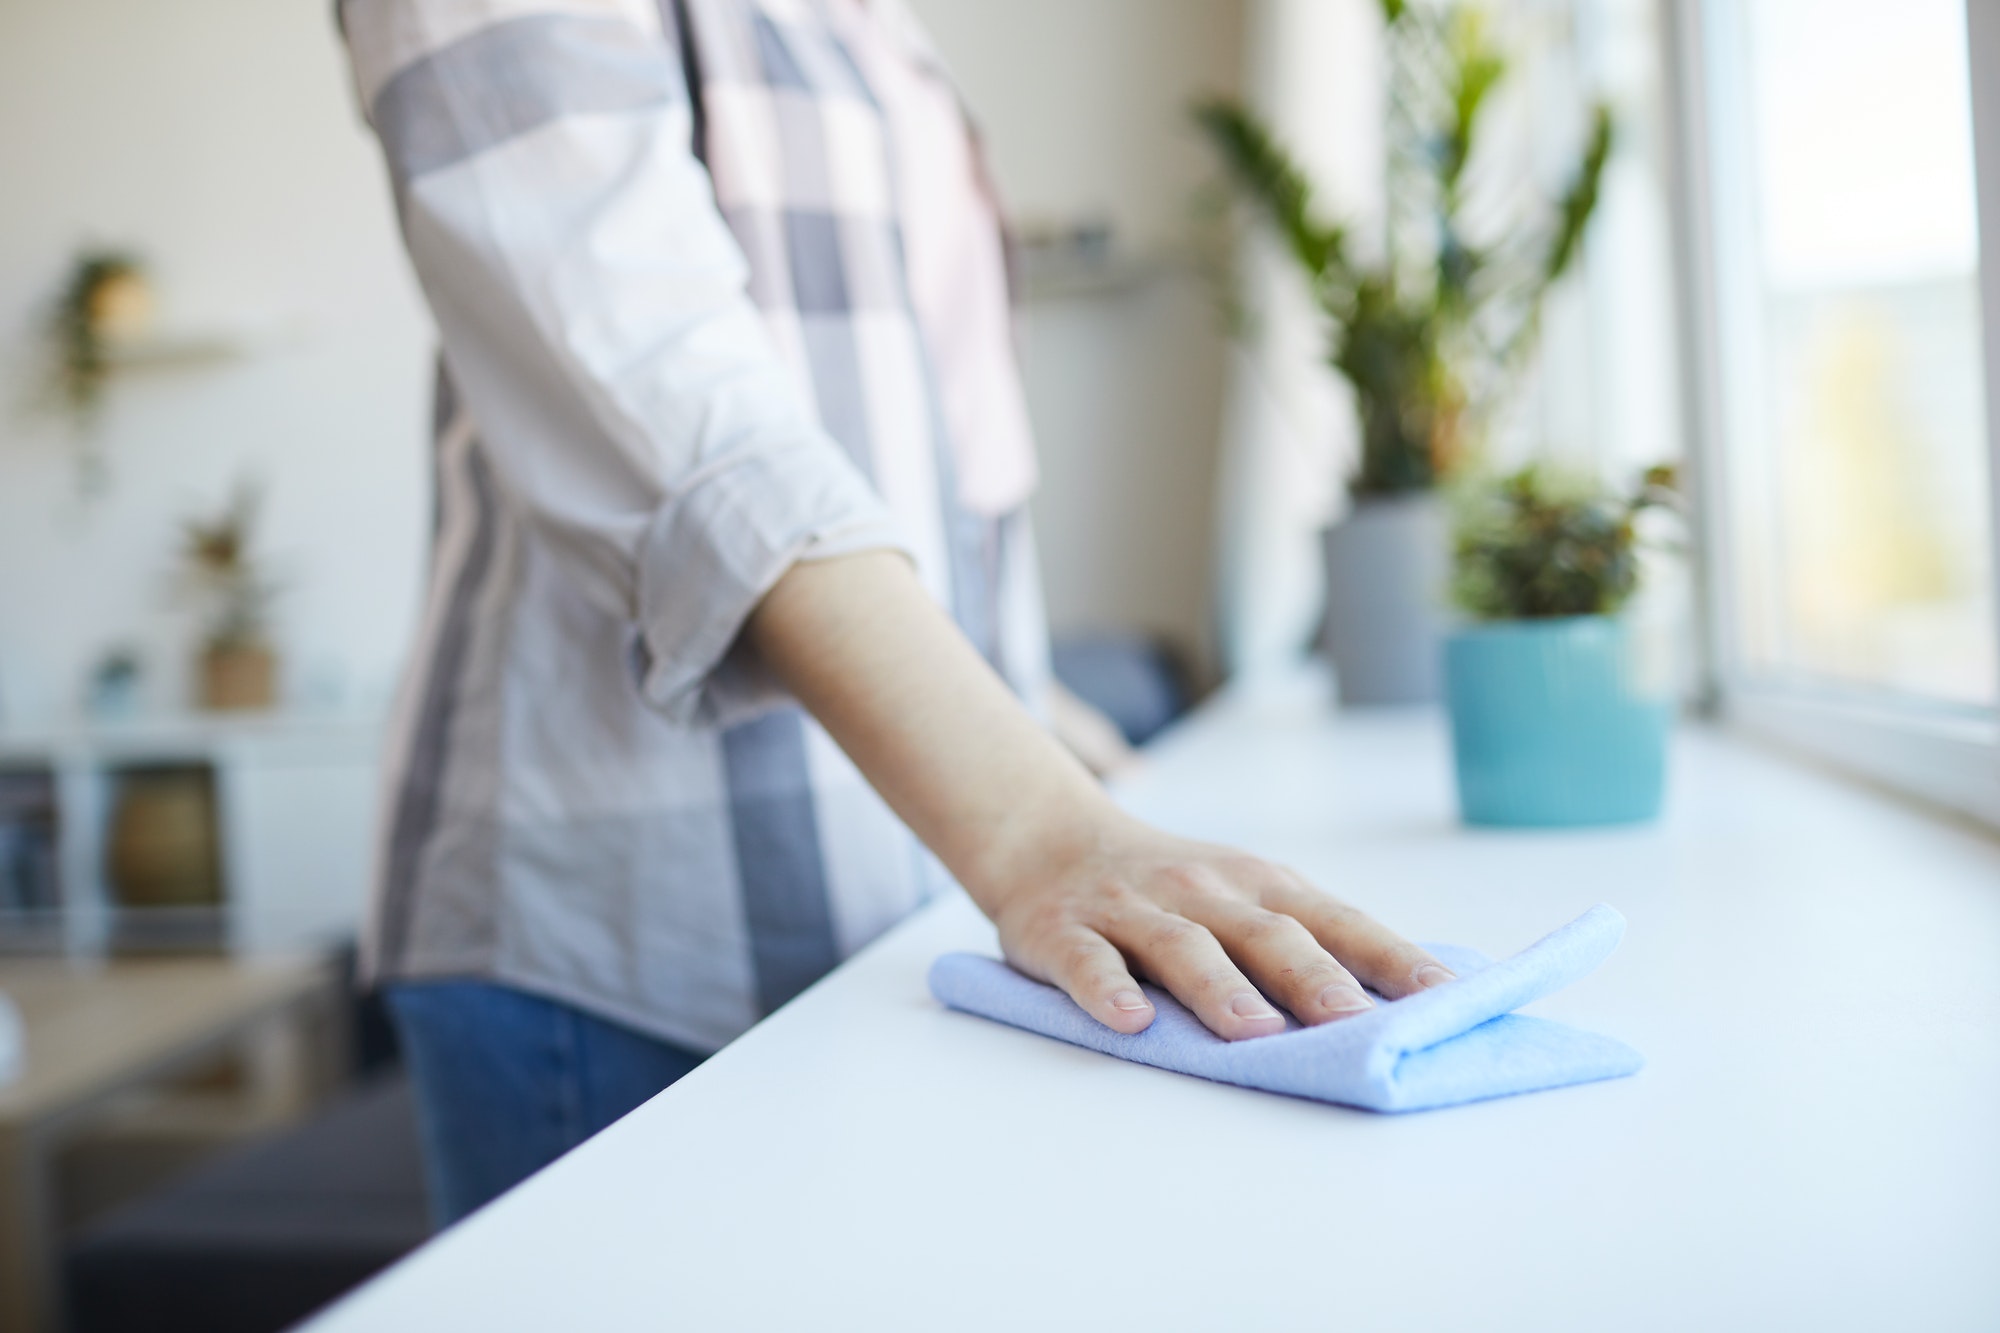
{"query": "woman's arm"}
{"type": "Point", "coordinates": [630, 401]}
{"type": "Point", "coordinates": [1083, 893]}
{"type": "Point", "coordinates": [594, 312]}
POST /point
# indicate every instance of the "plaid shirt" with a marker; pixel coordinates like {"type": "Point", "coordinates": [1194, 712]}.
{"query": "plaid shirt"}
{"type": "Point", "coordinates": [682, 352]}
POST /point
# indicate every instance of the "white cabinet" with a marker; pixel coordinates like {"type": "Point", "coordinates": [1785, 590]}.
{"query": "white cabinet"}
{"type": "Point", "coordinates": [290, 802]}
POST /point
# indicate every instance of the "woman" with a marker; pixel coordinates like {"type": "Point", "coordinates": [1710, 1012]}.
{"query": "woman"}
{"type": "Point", "coordinates": [733, 576]}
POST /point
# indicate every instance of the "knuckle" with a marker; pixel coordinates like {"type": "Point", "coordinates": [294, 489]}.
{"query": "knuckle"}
{"type": "Point", "coordinates": [1081, 956]}
{"type": "Point", "coordinates": [1216, 982]}
{"type": "Point", "coordinates": [1186, 880]}
{"type": "Point", "coordinates": [1407, 960]}
{"type": "Point", "coordinates": [1173, 933]}
{"type": "Point", "coordinates": [1338, 912]}
{"type": "Point", "coordinates": [1318, 976]}
{"type": "Point", "coordinates": [1273, 930]}
{"type": "Point", "coordinates": [1099, 982]}
{"type": "Point", "coordinates": [1053, 915]}
{"type": "Point", "coordinates": [1037, 931]}
{"type": "Point", "coordinates": [1305, 895]}
{"type": "Point", "coordinates": [1242, 868]}
{"type": "Point", "coordinates": [1045, 925]}
{"type": "Point", "coordinates": [1116, 897]}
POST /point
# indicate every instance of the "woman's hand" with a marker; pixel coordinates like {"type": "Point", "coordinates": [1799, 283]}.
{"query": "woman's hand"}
{"type": "Point", "coordinates": [1084, 895]}
{"type": "Point", "coordinates": [1218, 929]}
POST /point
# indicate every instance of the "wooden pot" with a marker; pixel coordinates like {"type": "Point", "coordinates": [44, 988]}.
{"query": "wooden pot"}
{"type": "Point", "coordinates": [239, 676]}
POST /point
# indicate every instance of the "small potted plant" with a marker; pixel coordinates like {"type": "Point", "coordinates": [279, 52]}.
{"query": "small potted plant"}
{"type": "Point", "coordinates": [1431, 330]}
{"type": "Point", "coordinates": [106, 303]}
{"type": "Point", "coordinates": [238, 665]}
{"type": "Point", "coordinates": [106, 300]}
{"type": "Point", "coordinates": [1553, 721]}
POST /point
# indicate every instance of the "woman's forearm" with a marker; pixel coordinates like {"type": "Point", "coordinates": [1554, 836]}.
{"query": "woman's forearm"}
{"type": "Point", "coordinates": [932, 726]}
{"type": "Point", "coordinates": [1084, 895]}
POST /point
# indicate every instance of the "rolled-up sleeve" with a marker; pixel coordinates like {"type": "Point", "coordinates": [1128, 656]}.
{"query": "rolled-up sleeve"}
{"type": "Point", "coordinates": [595, 315]}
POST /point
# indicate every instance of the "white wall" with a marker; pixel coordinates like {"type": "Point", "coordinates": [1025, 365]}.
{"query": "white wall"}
{"type": "Point", "coordinates": [218, 138]}
{"type": "Point", "coordinates": [1084, 108]}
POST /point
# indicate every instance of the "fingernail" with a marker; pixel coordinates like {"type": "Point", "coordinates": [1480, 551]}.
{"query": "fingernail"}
{"type": "Point", "coordinates": [1344, 999]}
{"type": "Point", "coordinates": [1251, 1005]}
{"type": "Point", "coordinates": [1130, 1001]}
{"type": "Point", "coordinates": [1432, 974]}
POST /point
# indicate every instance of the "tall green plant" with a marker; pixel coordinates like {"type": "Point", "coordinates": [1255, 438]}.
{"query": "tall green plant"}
{"type": "Point", "coordinates": [1435, 331]}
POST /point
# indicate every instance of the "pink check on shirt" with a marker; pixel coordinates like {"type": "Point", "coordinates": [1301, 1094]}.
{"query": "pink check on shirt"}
{"type": "Point", "coordinates": [952, 255]}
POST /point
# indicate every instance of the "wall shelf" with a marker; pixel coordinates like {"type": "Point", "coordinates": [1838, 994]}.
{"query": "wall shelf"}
{"type": "Point", "coordinates": [1064, 277]}
{"type": "Point", "coordinates": [185, 351]}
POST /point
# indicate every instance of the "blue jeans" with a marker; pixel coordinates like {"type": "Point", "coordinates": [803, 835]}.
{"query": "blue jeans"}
{"type": "Point", "coordinates": [506, 1082]}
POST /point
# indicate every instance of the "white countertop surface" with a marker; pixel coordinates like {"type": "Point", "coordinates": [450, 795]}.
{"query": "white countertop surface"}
{"type": "Point", "coordinates": [1812, 970]}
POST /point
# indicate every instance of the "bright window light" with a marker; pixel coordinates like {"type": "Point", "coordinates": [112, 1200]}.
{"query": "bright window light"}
{"type": "Point", "coordinates": [1857, 532]}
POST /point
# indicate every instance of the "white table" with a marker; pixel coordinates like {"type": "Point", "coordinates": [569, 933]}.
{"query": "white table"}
{"type": "Point", "coordinates": [1813, 971]}
{"type": "Point", "coordinates": [97, 1032]}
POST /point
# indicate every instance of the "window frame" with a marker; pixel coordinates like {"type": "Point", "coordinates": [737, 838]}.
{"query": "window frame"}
{"type": "Point", "coordinates": [1939, 752]}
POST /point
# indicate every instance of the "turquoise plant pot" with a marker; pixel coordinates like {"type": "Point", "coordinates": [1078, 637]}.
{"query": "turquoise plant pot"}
{"type": "Point", "coordinates": [1550, 726]}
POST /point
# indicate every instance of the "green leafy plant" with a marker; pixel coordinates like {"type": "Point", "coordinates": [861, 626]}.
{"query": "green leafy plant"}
{"type": "Point", "coordinates": [1538, 544]}
{"type": "Point", "coordinates": [104, 297]}
{"type": "Point", "coordinates": [1434, 332]}
{"type": "Point", "coordinates": [219, 565]}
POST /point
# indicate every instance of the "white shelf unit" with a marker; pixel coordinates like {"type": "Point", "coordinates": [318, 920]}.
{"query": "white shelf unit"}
{"type": "Point", "coordinates": [294, 806]}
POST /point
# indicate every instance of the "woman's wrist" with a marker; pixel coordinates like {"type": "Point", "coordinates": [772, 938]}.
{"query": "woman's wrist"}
{"type": "Point", "coordinates": [998, 799]}
{"type": "Point", "coordinates": [1039, 841]}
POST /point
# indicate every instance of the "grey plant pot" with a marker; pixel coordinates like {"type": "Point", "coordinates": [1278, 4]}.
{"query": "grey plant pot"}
{"type": "Point", "coordinates": [1387, 565]}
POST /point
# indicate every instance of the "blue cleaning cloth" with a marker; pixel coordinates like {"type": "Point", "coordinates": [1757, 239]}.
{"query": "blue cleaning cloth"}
{"type": "Point", "coordinates": [1459, 1042]}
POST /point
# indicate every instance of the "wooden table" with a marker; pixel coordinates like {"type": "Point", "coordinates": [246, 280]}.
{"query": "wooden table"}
{"type": "Point", "coordinates": [99, 1031]}
{"type": "Point", "coordinates": [1812, 971]}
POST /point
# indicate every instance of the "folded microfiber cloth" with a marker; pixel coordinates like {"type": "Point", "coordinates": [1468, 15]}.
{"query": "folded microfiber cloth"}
{"type": "Point", "coordinates": [1459, 1042]}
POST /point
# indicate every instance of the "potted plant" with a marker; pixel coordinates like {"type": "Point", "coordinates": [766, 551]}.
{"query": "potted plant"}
{"type": "Point", "coordinates": [1430, 335]}
{"type": "Point", "coordinates": [106, 302]}
{"type": "Point", "coordinates": [1553, 721]}
{"type": "Point", "coordinates": [238, 665]}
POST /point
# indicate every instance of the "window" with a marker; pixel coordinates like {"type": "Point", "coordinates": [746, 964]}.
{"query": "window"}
{"type": "Point", "coordinates": [1847, 469]}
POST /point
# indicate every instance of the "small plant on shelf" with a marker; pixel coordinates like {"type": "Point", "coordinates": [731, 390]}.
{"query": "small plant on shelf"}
{"type": "Point", "coordinates": [106, 299]}
{"type": "Point", "coordinates": [1539, 544]}
{"type": "Point", "coordinates": [238, 662]}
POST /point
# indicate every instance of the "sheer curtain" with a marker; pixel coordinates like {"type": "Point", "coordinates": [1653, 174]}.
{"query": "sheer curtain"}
{"type": "Point", "coordinates": [1314, 73]}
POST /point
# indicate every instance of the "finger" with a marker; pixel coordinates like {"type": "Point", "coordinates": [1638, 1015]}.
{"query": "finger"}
{"type": "Point", "coordinates": [1285, 960]}
{"type": "Point", "coordinates": [1185, 958]}
{"type": "Point", "coordinates": [1387, 962]}
{"type": "Point", "coordinates": [1084, 964]}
